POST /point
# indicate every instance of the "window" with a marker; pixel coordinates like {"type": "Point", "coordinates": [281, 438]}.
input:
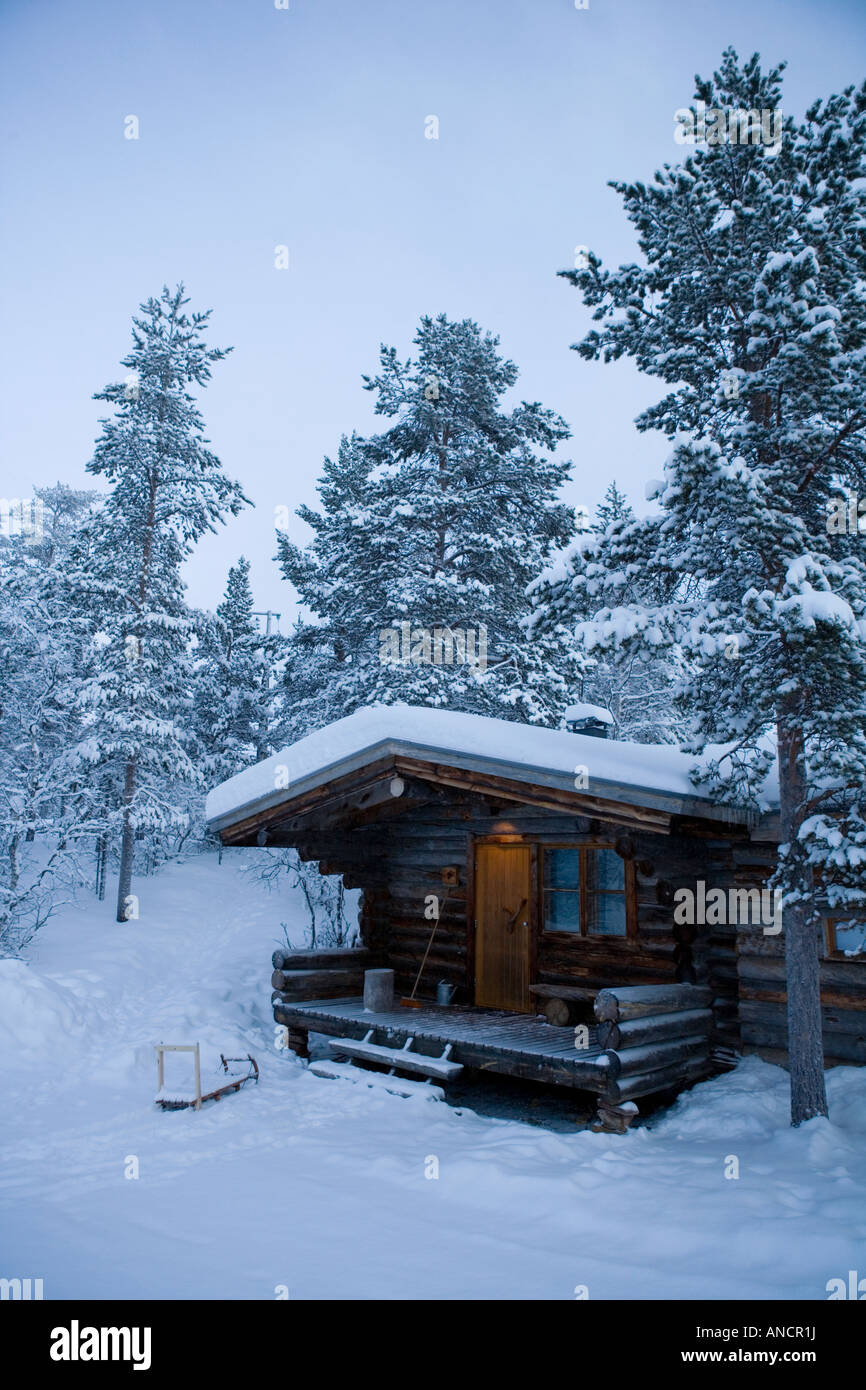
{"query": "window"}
{"type": "Point", "coordinates": [584, 891]}
{"type": "Point", "coordinates": [845, 940]}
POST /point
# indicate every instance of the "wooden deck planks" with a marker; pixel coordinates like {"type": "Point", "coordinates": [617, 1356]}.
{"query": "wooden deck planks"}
{"type": "Point", "coordinates": [499, 1033]}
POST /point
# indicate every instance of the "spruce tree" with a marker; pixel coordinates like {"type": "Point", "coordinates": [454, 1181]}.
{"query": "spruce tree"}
{"type": "Point", "coordinates": [48, 809]}
{"type": "Point", "coordinates": [438, 524]}
{"type": "Point", "coordinates": [637, 688]}
{"type": "Point", "coordinates": [750, 306]}
{"type": "Point", "coordinates": [234, 682]}
{"type": "Point", "coordinates": [167, 490]}
{"type": "Point", "coordinates": [614, 506]}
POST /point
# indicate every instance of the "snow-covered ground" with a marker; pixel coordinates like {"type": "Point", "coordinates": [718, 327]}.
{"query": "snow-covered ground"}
{"type": "Point", "coordinates": [321, 1187]}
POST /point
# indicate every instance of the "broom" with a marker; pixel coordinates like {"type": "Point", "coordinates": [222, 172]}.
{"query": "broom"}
{"type": "Point", "coordinates": [412, 1002]}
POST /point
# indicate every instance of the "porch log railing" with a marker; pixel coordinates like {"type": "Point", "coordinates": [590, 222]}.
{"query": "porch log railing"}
{"type": "Point", "coordinates": [656, 1037]}
{"type": "Point", "coordinates": [301, 975]}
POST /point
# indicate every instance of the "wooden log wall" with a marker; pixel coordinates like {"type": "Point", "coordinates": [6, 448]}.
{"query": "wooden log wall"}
{"type": "Point", "coordinates": [398, 864]}
{"type": "Point", "coordinates": [763, 1001]}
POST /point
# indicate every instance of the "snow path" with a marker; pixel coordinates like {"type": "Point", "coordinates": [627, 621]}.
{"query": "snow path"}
{"type": "Point", "coordinates": [320, 1186]}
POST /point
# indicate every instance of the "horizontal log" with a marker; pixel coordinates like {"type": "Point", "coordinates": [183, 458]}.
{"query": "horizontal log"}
{"type": "Point", "coordinates": [599, 978]}
{"type": "Point", "coordinates": [407, 904]}
{"type": "Point", "coordinates": [838, 974]}
{"type": "Point", "coordinates": [641, 1031]}
{"type": "Point", "coordinates": [317, 984]}
{"type": "Point", "coordinates": [641, 1001]}
{"type": "Point", "coordinates": [435, 967]}
{"type": "Point", "coordinates": [327, 959]}
{"type": "Point", "coordinates": [578, 992]}
{"type": "Point", "coordinates": [832, 1020]}
{"type": "Point", "coordinates": [648, 1083]}
{"type": "Point", "coordinates": [449, 928]}
{"type": "Point", "coordinates": [838, 1047]}
{"type": "Point", "coordinates": [658, 1056]}
{"type": "Point", "coordinates": [830, 998]}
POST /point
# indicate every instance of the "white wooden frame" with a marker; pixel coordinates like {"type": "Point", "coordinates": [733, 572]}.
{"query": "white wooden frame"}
{"type": "Point", "coordinates": [162, 1048]}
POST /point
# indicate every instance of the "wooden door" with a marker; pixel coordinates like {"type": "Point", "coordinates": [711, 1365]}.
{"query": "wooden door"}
{"type": "Point", "coordinates": [502, 926]}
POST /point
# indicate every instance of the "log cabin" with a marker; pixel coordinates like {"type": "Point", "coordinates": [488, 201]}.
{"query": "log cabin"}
{"type": "Point", "coordinates": [529, 890]}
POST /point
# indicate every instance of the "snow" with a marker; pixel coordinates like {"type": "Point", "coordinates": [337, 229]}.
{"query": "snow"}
{"type": "Point", "coordinates": [320, 1186]}
{"type": "Point", "coordinates": [527, 750]}
{"type": "Point", "coordinates": [580, 710]}
{"type": "Point", "coordinates": [816, 606]}
{"type": "Point", "coordinates": [724, 219]}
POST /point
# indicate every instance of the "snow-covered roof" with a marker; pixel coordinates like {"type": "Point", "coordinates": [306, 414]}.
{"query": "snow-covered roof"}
{"type": "Point", "coordinates": [655, 775]}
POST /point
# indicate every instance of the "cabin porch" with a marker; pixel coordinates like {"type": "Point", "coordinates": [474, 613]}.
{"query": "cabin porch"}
{"type": "Point", "coordinates": [629, 1042]}
{"type": "Point", "coordinates": [490, 1040]}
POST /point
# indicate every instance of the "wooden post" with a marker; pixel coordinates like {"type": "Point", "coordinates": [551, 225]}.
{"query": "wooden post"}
{"type": "Point", "coordinates": [197, 1078]}
{"type": "Point", "coordinates": [378, 991]}
{"type": "Point", "coordinates": [613, 1118]}
{"type": "Point", "coordinates": [298, 1041]}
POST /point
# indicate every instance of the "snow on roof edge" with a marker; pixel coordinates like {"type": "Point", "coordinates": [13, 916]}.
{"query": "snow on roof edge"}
{"type": "Point", "coordinates": [658, 773]}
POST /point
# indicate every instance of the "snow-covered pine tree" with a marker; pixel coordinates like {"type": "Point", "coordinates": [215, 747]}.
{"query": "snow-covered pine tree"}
{"type": "Point", "coordinates": [614, 506]}
{"type": "Point", "coordinates": [436, 525]}
{"type": "Point", "coordinates": [167, 490]}
{"type": "Point", "coordinates": [48, 811]}
{"type": "Point", "coordinates": [637, 689]}
{"type": "Point", "coordinates": [750, 305]}
{"type": "Point", "coordinates": [235, 684]}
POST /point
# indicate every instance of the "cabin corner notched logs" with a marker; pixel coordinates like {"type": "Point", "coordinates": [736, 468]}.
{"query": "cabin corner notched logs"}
{"type": "Point", "coordinates": [655, 1037]}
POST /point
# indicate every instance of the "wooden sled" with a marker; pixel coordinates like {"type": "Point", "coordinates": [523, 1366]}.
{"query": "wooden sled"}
{"type": "Point", "coordinates": [167, 1102]}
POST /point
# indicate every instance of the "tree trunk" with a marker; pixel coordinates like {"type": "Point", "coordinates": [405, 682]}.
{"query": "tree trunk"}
{"type": "Point", "coordinates": [101, 862]}
{"type": "Point", "coordinates": [802, 964]}
{"type": "Point", "coordinates": [127, 844]}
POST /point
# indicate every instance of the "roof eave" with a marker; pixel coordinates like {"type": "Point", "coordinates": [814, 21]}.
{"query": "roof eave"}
{"type": "Point", "coordinates": [673, 804]}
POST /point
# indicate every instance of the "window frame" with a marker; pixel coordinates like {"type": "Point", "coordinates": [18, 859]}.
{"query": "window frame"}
{"type": "Point", "coordinates": [831, 950]}
{"type": "Point", "coordinates": [583, 847]}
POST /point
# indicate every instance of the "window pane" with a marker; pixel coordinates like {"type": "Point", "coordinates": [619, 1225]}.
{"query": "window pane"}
{"type": "Point", "coordinates": [611, 871]}
{"type": "Point", "coordinates": [561, 868]}
{"type": "Point", "coordinates": [562, 912]}
{"type": "Point", "coordinates": [607, 914]}
{"type": "Point", "coordinates": [851, 940]}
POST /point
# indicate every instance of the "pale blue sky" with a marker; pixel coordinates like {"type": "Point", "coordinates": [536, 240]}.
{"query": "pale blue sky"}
{"type": "Point", "coordinates": [305, 126]}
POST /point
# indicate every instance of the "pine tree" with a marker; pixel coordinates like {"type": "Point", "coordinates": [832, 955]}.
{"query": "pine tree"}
{"type": "Point", "coordinates": [48, 810]}
{"type": "Point", "coordinates": [637, 689]}
{"type": "Point", "coordinates": [750, 306]}
{"type": "Point", "coordinates": [437, 524]}
{"type": "Point", "coordinates": [235, 688]}
{"type": "Point", "coordinates": [615, 506]}
{"type": "Point", "coordinates": [167, 490]}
